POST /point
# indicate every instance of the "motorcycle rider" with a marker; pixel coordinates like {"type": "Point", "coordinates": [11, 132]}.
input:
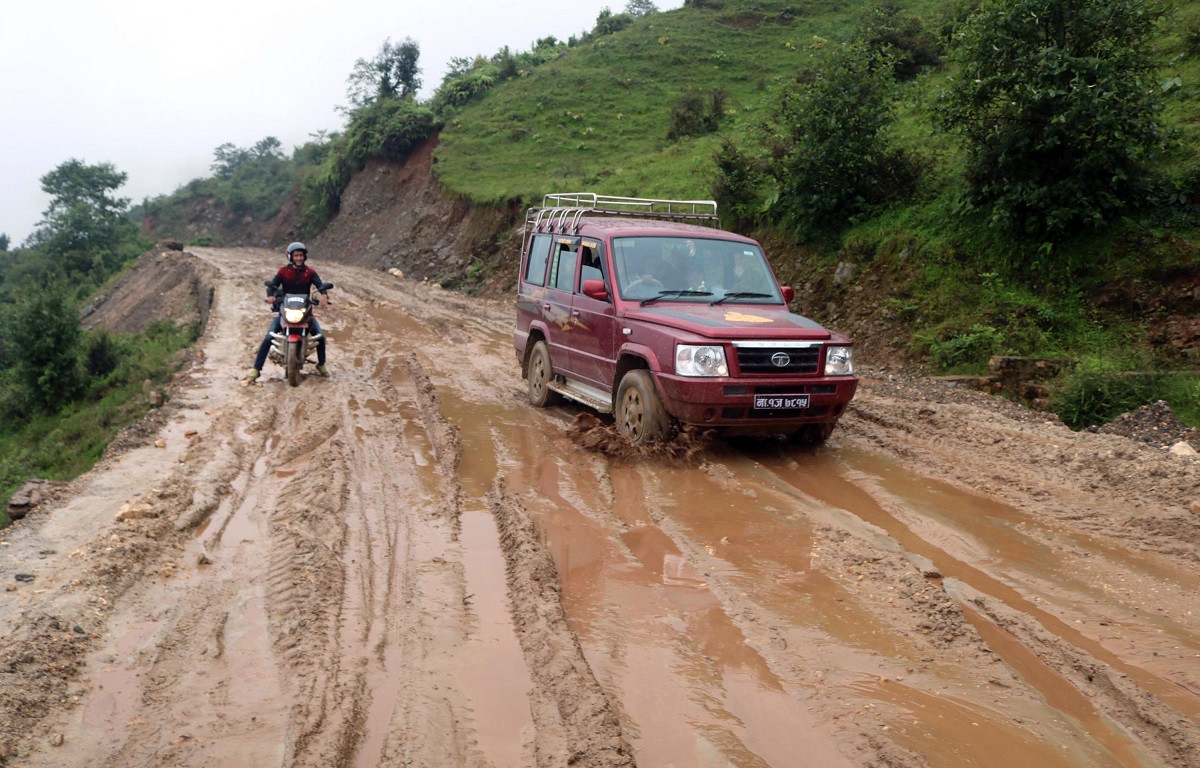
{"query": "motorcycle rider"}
{"type": "Point", "coordinates": [294, 277]}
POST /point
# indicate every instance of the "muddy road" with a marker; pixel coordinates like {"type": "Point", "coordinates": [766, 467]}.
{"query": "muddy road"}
{"type": "Point", "coordinates": [405, 564]}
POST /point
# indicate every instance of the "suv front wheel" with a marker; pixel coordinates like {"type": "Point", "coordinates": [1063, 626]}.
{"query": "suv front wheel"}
{"type": "Point", "coordinates": [641, 417]}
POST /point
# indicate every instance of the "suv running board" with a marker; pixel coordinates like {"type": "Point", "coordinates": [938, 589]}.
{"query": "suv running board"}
{"type": "Point", "coordinates": [583, 393]}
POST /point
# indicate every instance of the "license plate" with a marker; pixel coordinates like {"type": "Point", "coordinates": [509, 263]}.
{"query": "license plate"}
{"type": "Point", "coordinates": [780, 402]}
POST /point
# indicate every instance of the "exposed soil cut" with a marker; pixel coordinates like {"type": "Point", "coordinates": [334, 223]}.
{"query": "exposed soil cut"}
{"type": "Point", "coordinates": [407, 564]}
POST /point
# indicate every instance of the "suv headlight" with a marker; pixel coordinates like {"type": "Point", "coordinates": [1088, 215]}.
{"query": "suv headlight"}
{"type": "Point", "coordinates": [700, 360]}
{"type": "Point", "coordinates": [839, 361]}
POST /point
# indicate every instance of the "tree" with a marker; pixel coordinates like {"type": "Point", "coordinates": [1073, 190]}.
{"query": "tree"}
{"type": "Point", "coordinates": [391, 74]}
{"type": "Point", "coordinates": [1059, 109]}
{"type": "Point", "coordinates": [830, 155]}
{"type": "Point", "coordinates": [607, 22]}
{"type": "Point", "coordinates": [85, 224]}
{"type": "Point", "coordinates": [44, 344]}
{"type": "Point", "coordinates": [4, 241]}
{"type": "Point", "coordinates": [639, 8]}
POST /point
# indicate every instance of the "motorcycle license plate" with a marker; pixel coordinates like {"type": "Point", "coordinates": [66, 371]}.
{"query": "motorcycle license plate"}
{"type": "Point", "coordinates": [780, 402]}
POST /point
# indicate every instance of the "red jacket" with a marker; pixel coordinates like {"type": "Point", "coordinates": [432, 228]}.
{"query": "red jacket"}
{"type": "Point", "coordinates": [293, 279]}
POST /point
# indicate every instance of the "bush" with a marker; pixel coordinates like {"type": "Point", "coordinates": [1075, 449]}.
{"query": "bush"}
{"type": "Point", "coordinates": [966, 351]}
{"type": "Point", "coordinates": [1058, 103]}
{"type": "Point", "coordinates": [101, 353]}
{"type": "Point", "coordinates": [831, 157]}
{"type": "Point", "coordinates": [738, 186]}
{"type": "Point", "coordinates": [1090, 397]}
{"type": "Point", "coordinates": [693, 115]}
{"type": "Point", "coordinates": [888, 30]}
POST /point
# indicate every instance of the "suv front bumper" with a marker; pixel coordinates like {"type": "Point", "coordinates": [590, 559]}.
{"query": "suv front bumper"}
{"type": "Point", "coordinates": [729, 402]}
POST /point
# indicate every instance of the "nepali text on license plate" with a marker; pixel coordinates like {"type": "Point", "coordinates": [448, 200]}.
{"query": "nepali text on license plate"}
{"type": "Point", "coordinates": [778, 402]}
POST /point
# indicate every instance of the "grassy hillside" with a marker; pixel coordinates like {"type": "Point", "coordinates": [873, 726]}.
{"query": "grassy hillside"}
{"type": "Point", "coordinates": [954, 289]}
{"type": "Point", "coordinates": [598, 117]}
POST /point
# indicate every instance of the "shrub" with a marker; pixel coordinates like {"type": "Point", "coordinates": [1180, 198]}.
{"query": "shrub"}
{"type": "Point", "coordinates": [693, 115]}
{"type": "Point", "coordinates": [831, 158]}
{"type": "Point", "coordinates": [969, 350]}
{"type": "Point", "coordinates": [888, 30]}
{"type": "Point", "coordinates": [101, 353]}
{"type": "Point", "coordinates": [1091, 397]}
{"type": "Point", "coordinates": [738, 186]}
{"type": "Point", "coordinates": [1059, 108]}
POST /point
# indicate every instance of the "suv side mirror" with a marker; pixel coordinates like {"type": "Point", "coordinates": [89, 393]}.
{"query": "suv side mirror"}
{"type": "Point", "coordinates": [788, 294]}
{"type": "Point", "coordinates": [594, 289]}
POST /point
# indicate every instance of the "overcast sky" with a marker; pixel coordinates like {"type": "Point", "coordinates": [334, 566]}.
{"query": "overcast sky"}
{"type": "Point", "coordinates": [153, 87]}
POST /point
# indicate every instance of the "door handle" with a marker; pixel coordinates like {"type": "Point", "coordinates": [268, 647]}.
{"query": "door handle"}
{"type": "Point", "coordinates": [574, 313]}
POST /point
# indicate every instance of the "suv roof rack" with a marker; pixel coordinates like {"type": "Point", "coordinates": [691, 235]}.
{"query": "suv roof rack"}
{"type": "Point", "coordinates": [561, 212]}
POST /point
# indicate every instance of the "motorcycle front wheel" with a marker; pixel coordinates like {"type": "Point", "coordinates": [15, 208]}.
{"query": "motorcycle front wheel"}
{"type": "Point", "coordinates": [291, 362]}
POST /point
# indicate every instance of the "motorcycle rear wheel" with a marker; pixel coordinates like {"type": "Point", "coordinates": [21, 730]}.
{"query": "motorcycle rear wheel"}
{"type": "Point", "coordinates": [292, 360]}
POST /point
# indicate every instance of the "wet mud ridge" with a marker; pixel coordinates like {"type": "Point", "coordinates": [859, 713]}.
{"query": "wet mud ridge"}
{"type": "Point", "coordinates": [405, 564]}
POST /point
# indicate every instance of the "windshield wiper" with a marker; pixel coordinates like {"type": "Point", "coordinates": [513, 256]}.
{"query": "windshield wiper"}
{"type": "Point", "coordinates": [673, 294]}
{"type": "Point", "coordinates": [740, 295]}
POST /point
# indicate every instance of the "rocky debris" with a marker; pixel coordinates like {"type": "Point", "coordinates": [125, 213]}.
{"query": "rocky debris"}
{"type": "Point", "coordinates": [1154, 424]}
{"type": "Point", "coordinates": [170, 244]}
{"type": "Point", "coordinates": [1021, 377]}
{"type": "Point", "coordinates": [29, 497]}
{"type": "Point", "coordinates": [136, 510]}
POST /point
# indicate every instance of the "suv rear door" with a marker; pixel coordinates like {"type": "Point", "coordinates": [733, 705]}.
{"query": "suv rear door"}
{"type": "Point", "coordinates": [561, 325]}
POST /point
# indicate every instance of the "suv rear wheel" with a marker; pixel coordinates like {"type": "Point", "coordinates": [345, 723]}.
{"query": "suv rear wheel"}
{"type": "Point", "coordinates": [540, 373]}
{"type": "Point", "coordinates": [641, 417]}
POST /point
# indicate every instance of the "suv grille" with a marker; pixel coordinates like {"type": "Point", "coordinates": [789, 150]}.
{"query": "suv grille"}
{"type": "Point", "coordinates": [762, 359]}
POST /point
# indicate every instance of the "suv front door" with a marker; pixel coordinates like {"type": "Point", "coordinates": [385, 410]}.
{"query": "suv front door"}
{"type": "Point", "coordinates": [595, 344]}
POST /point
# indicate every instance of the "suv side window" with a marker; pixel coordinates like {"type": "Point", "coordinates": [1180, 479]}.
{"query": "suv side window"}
{"type": "Point", "coordinates": [592, 256]}
{"type": "Point", "coordinates": [539, 253]}
{"type": "Point", "coordinates": [562, 271]}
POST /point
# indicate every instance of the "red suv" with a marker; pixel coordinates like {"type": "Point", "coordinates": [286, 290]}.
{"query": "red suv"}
{"type": "Point", "coordinates": [647, 310]}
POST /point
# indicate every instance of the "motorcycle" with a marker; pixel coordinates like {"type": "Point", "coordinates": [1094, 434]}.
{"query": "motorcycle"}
{"type": "Point", "coordinates": [289, 346]}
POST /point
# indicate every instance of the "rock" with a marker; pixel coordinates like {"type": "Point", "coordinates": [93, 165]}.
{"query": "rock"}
{"type": "Point", "coordinates": [190, 433]}
{"type": "Point", "coordinates": [56, 739]}
{"type": "Point", "coordinates": [170, 244]}
{"type": "Point", "coordinates": [28, 498]}
{"type": "Point", "coordinates": [1183, 448]}
{"type": "Point", "coordinates": [136, 510]}
{"type": "Point", "coordinates": [843, 272]}
{"type": "Point", "coordinates": [25, 577]}
{"type": "Point", "coordinates": [1196, 507]}
{"type": "Point", "coordinates": [156, 398]}
{"type": "Point", "coordinates": [160, 443]}
{"type": "Point", "coordinates": [1014, 368]}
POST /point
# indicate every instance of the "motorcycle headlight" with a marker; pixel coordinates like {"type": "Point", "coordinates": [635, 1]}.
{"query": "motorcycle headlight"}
{"type": "Point", "coordinates": [839, 361]}
{"type": "Point", "coordinates": [698, 360]}
{"type": "Point", "coordinates": [293, 315]}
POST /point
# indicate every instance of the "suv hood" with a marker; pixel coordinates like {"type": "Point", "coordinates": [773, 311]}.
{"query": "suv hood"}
{"type": "Point", "coordinates": [731, 321]}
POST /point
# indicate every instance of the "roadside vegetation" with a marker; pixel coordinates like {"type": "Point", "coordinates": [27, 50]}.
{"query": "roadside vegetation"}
{"type": "Point", "coordinates": [66, 392]}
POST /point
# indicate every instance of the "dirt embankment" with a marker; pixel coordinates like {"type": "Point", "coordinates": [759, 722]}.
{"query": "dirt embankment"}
{"type": "Point", "coordinates": [395, 214]}
{"type": "Point", "coordinates": [406, 564]}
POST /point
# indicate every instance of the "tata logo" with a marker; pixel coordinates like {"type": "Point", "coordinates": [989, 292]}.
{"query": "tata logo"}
{"type": "Point", "coordinates": [780, 359]}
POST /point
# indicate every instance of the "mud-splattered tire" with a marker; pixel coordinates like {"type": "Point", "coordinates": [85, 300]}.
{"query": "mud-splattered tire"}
{"type": "Point", "coordinates": [291, 363]}
{"type": "Point", "coordinates": [641, 417]}
{"type": "Point", "coordinates": [539, 374]}
{"type": "Point", "coordinates": [813, 434]}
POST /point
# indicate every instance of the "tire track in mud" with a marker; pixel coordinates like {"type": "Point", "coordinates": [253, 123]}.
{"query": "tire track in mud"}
{"type": "Point", "coordinates": [577, 725]}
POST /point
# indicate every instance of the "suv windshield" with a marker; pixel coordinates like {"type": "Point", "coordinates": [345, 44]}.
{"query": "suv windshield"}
{"type": "Point", "coordinates": [693, 269]}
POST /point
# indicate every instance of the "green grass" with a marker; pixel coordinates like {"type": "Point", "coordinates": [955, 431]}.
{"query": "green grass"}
{"type": "Point", "coordinates": [63, 445]}
{"type": "Point", "coordinates": [598, 117]}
